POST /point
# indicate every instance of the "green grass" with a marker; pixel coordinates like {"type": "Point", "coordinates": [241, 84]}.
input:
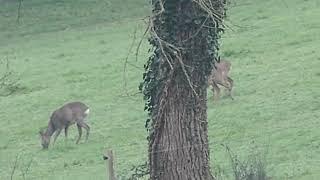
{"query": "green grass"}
{"type": "Point", "coordinates": [75, 50]}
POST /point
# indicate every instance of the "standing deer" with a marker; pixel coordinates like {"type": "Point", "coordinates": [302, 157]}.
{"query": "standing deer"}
{"type": "Point", "coordinates": [219, 76]}
{"type": "Point", "coordinates": [62, 118]}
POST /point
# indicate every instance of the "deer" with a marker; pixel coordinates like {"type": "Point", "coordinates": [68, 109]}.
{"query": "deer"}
{"type": "Point", "coordinates": [220, 76]}
{"type": "Point", "coordinates": [63, 117]}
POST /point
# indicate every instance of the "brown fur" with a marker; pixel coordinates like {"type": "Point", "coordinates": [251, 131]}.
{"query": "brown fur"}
{"type": "Point", "coordinates": [62, 118]}
{"type": "Point", "coordinates": [220, 76]}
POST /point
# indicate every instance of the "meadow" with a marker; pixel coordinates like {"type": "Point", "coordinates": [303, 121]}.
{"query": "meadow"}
{"type": "Point", "coordinates": [65, 50]}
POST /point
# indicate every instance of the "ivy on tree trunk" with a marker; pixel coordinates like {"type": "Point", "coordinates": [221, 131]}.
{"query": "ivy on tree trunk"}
{"type": "Point", "coordinates": [184, 39]}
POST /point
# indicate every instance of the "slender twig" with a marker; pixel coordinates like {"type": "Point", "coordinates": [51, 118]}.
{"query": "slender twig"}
{"type": "Point", "coordinates": [160, 41]}
{"type": "Point", "coordinates": [15, 165]}
{"type": "Point", "coordinates": [26, 170]}
{"type": "Point", "coordinates": [126, 61]}
{"type": "Point", "coordinates": [141, 40]}
{"type": "Point", "coordinates": [285, 3]}
{"type": "Point", "coordinates": [19, 11]}
{"type": "Point", "coordinates": [186, 74]}
{"type": "Point", "coordinates": [161, 9]}
{"type": "Point", "coordinates": [197, 32]}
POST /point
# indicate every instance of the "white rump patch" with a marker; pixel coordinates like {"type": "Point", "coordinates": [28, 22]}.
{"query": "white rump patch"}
{"type": "Point", "coordinates": [87, 111]}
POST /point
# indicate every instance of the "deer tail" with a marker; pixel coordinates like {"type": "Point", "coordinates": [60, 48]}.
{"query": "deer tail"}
{"type": "Point", "coordinates": [87, 111]}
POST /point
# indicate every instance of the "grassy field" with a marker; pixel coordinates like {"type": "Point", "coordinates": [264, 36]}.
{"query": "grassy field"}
{"type": "Point", "coordinates": [75, 50]}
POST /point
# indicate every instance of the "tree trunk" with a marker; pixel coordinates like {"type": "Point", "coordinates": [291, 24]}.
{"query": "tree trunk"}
{"type": "Point", "coordinates": [179, 149]}
{"type": "Point", "coordinates": [175, 83]}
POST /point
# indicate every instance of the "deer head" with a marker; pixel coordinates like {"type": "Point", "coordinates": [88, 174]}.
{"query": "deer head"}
{"type": "Point", "coordinates": [45, 139]}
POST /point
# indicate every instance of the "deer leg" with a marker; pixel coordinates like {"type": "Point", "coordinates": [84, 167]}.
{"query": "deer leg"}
{"type": "Point", "coordinates": [86, 127]}
{"type": "Point", "coordinates": [216, 91]}
{"type": "Point", "coordinates": [82, 124]}
{"type": "Point", "coordinates": [56, 135]}
{"type": "Point", "coordinates": [228, 83]}
{"type": "Point", "coordinates": [80, 133]}
{"type": "Point", "coordinates": [230, 86]}
{"type": "Point", "coordinates": [66, 131]}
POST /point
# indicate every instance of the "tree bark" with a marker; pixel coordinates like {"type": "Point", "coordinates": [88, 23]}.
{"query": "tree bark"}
{"type": "Point", "coordinates": [179, 149]}
{"type": "Point", "coordinates": [175, 88]}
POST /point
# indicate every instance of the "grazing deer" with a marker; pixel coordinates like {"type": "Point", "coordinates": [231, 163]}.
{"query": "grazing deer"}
{"type": "Point", "coordinates": [219, 76]}
{"type": "Point", "coordinates": [62, 118]}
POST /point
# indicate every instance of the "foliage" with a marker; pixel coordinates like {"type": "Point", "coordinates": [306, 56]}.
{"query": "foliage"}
{"type": "Point", "coordinates": [253, 168]}
{"type": "Point", "coordinates": [8, 79]}
{"type": "Point", "coordinates": [139, 171]}
{"type": "Point", "coordinates": [166, 27]}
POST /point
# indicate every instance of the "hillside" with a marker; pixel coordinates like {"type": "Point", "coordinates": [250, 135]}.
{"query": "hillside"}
{"type": "Point", "coordinates": [75, 50]}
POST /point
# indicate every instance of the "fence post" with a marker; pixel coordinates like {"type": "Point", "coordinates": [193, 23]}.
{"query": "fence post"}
{"type": "Point", "coordinates": [108, 156]}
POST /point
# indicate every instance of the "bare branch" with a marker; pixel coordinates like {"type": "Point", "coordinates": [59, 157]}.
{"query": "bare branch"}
{"type": "Point", "coordinates": [126, 61]}
{"type": "Point", "coordinates": [141, 40]}
{"type": "Point", "coordinates": [19, 11]}
{"type": "Point", "coordinates": [160, 41]}
{"type": "Point", "coordinates": [186, 74]}
{"type": "Point", "coordinates": [196, 33]}
{"type": "Point", "coordinates": [15, 165]}
{"type": "Point", "coordinates": [161, 8]}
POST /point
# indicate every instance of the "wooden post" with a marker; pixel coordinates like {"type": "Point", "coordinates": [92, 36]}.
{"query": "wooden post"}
{"type": "Point", "coordinates": [110, 170]}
